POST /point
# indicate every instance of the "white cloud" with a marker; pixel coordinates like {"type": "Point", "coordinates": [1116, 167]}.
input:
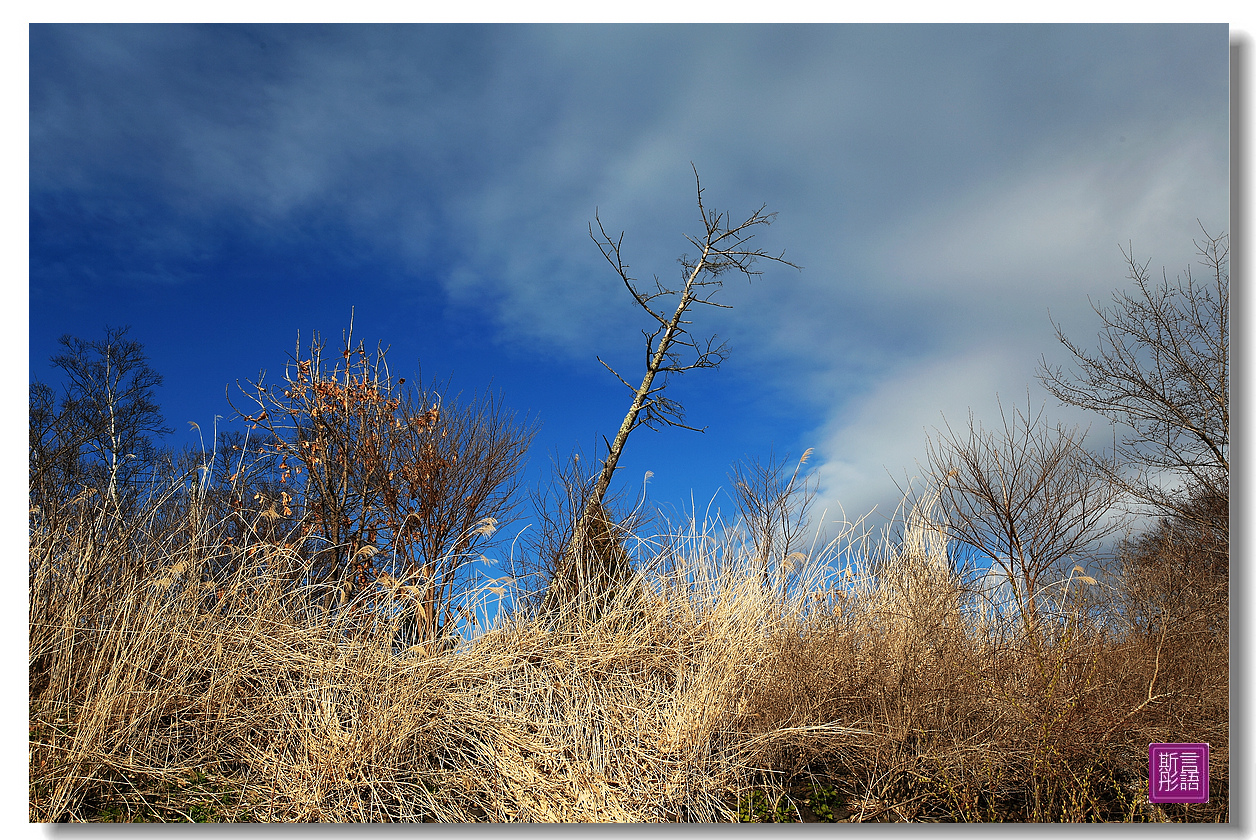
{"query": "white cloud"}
{"type": "Point", "coordinates": [973, 279]}
{"type": "Point", "coordinates": [1060, 221]}
{"type": "Point", "coordinates": [879, 437]}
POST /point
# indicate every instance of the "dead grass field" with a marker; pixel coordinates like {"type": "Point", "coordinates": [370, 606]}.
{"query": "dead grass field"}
{"type": "Point", "coordinates": [878, 689]}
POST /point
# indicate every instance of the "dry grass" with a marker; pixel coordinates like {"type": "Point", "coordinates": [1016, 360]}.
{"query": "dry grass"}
{"type": "Point", "coordinates": [162, 691]}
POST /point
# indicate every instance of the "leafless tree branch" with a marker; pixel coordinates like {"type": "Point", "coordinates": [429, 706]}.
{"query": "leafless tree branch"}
{"type": "Point", "coordinates": [1162, 370]}
{"type": "Point", "coordinates": [671, 348]}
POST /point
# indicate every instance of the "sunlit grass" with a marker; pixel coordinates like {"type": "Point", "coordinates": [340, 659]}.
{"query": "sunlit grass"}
{"type": "Point", "coordinates": [861, 681]}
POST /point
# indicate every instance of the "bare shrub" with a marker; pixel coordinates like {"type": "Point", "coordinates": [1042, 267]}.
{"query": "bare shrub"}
{"type": "Point", "coordinates": [1177, 573]}
{"type": "Point", "coordinates": [775, 511]}
{"type": "Point", "coordinates": [608, 538]}
{"type": "Point", "coordinates": [378, 477]}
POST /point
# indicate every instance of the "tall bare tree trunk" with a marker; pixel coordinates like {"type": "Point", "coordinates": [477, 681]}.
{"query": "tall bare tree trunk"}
{"type": "Point", "coordinates": [594, 561]}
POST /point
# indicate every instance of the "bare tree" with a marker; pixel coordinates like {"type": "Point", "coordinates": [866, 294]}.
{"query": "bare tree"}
{"type": "Point", "coordinates": [775, 509]}
{"type": "Point", "coordinates": [1027, 497]}
{"type": "Point", "coordinates": [1162, 370]}
{"type": "Point", "coordinates": [670, 349]}
{"type": "Point", "coordinates": [103, 432]}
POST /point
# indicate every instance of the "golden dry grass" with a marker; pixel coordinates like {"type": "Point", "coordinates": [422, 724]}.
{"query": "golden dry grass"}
{"type": "Point", "coordinates": [160, 691]}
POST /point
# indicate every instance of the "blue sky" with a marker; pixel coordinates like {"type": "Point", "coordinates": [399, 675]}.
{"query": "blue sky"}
{"type": "Point", "coordinates": [220, 188]}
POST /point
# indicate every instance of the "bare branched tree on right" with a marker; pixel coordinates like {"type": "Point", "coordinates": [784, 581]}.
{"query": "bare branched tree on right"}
{"type": "Point", "coordinates": [1027, 497]}
{"type": "Point", "coordinates": [1162, 371]}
